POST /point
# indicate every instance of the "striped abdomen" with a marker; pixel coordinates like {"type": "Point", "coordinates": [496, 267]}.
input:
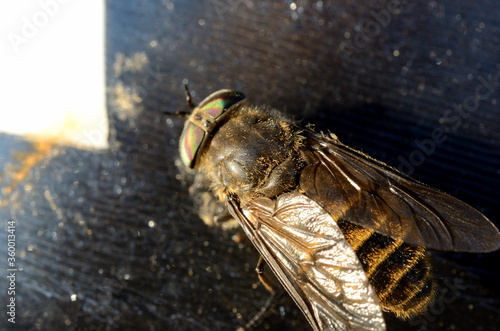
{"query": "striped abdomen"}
{"type": "Point", "coordinates": [399, 272]}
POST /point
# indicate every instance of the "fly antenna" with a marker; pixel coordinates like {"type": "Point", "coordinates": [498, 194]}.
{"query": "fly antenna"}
{"type": "Point", "coordinates": [190, 102]}
{"type": "Point", "coordinates": [189, 99]}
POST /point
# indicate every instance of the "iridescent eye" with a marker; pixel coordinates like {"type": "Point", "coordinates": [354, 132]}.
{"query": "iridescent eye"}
{"type": "Point", "coordinates": [217, 103]}
{"type": "Point", "coordinates": [204, 119]}
{"type": "Point", "coordinates": [190, 143]}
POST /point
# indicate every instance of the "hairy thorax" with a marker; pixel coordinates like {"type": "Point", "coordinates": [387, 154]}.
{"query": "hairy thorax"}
{"type": "Point", "coordinates": [252, 154]}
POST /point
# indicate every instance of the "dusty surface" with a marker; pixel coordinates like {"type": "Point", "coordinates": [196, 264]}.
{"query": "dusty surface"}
{"type": "Point", "coordinates": [109, 239]}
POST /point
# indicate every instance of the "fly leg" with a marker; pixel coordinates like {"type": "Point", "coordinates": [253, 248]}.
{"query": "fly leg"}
{"type": "Point", "coordinates": [269, 285]}
{"type": "Point", "coordinates": [263, 277]}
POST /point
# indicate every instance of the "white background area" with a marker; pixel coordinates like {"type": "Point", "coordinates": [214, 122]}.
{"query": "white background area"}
{"type": "Point", "coordinates": [52, 70]}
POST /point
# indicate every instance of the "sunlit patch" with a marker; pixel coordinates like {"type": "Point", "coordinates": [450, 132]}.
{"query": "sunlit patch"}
{"type": "Point", "coordinates": [23, 162]}
{"type": "Point", "coordinates": [42, 145]}
{"type": "Point", "coordinates": [53, 68]}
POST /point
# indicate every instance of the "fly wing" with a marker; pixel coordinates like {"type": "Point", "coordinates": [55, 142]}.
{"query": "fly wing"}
{"type": "Point", "coordinates": [307, 251]}
{"type": "Point", "coordinates": [352, 186]}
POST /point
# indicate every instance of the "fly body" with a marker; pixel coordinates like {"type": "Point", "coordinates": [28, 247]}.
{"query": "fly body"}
{"type": "Point", "coordinates": [345, 234]}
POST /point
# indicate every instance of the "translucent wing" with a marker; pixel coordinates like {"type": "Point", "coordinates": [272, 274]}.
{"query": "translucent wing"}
{"type": "Point", "coordinates": [308, 253]}
{"type": "Point", "coordinates": [352, 186]}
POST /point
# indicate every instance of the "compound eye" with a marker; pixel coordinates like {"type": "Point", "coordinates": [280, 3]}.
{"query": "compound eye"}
{"type": "Point", "coordinates": [190, 143]}
{"type": "Point", "coordinates": [205, 117]}
{"type": "Point", "coordinates": [217, 103]}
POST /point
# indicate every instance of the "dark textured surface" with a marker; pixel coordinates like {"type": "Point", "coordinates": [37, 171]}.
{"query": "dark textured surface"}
{"type": "Point", "coordinates": [118, 229]}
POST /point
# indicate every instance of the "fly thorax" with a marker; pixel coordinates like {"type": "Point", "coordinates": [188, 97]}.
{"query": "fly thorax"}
{"type": "Point", "coordinates": [251, 155]}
